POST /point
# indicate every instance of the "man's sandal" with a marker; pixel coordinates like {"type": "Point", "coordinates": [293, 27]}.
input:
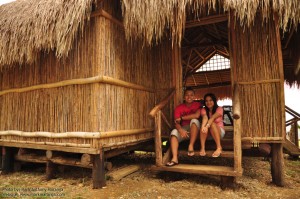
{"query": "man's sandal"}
{"type": "Point", "coordinates": [172, 163]}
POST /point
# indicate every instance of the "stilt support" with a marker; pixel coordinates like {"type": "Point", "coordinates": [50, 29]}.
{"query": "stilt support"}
{"type": "Point", "coordinates": [99, 171]}
{"type": "Point", "coordinates": [50, 169]}
{"type": "Point", "coordinates": [228, 182]}
{"type": "Point", "coordinates": [277, 165]}
{"type": "Point", "coordinates": [7, 159]}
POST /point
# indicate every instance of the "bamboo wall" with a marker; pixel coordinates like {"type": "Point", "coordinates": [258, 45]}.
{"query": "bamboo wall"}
{"type": "Point", "coordinates": [257, 69]}
{"type": "Point", "coordinates": [100, 50]}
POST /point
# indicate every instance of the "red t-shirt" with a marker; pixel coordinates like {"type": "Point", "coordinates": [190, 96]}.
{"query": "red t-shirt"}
{"type": "Point", "coordinates": [183, 110]}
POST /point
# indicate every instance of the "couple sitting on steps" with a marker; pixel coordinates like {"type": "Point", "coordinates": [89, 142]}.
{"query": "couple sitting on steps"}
{"type": "Point", "coordinates": [187, 125]}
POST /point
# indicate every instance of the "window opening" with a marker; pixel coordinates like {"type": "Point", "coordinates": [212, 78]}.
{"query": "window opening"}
{"type": "Point", "coordinates": [217, 62]}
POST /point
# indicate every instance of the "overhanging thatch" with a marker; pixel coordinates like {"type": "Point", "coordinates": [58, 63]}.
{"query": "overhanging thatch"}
{"type": "Point", "coordinates": [29, 26]}
{"type": "Point", "coordinates": [149, 19]}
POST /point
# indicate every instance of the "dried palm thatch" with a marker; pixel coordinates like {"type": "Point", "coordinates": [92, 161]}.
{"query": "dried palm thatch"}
{"type": "Point", "coordinates": [29, 26]}
{"type": "Point", "coordinates": [149, 19]}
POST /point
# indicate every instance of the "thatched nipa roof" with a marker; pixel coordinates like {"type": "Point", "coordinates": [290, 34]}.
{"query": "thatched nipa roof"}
{"type": "Point", "coordinates": [29, 26]}
{"type": "Point", "coordinates": [148, 19]}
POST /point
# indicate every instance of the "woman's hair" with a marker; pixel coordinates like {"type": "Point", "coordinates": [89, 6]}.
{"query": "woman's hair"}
{"type": "Point", "coordinates": [214, 98]}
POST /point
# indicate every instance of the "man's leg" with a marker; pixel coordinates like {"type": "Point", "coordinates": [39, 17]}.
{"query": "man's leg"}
{"type": "Point", "coordinates": [194, 129]}
{"type": "Point", "coordinates": [174, 148]}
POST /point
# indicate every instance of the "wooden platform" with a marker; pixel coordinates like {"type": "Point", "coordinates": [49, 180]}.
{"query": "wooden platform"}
{"type": "Point", "coordinates": [200, 169]}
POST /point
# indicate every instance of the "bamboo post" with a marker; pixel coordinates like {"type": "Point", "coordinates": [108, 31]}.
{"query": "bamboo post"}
{"type": "Point", "coordinates": [158, 148]}
{"type": "Point", "coordinates": [277, 164]}
{"type": "Point", "coordinates": [99, 171]}
{"type": "Point", "coordinates": [237, 140]}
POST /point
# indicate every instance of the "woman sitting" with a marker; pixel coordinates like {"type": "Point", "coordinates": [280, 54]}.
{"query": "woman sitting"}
{"type": "Point", "coordinates": [212, 124]}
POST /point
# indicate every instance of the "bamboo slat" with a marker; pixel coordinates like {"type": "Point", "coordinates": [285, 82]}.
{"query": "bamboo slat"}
{"type": "Point", "coordinates": [47, 143]}
{"type": "Point", "coordinates": [260, 82]}
{"type": "Point", "coordinates": [90, 80]}
{"type": "Point", "coordinates": [105, 14]}
{"type": "Point", "coordinates": [52, 135]}
{"type": "Point", "coordinates": [124, 132]}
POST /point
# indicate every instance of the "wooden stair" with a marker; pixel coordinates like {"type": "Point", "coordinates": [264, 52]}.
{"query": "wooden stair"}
{"type": "Point", "coordinates": [224, 154]}
{"type": "Point", "coordinates": [200, 169]}
{"type": "Point", "coordinates": [227, 174]}
{"type": "Point", "coordinates": [291, 148]}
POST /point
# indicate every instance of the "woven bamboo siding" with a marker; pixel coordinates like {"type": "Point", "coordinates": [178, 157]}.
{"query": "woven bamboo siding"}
{"type": "Point", "coordinates": [100, 50]}
{"type": "Point", "coordinates": [162, 77]}
{"type": "Point", "coordinates": [257, 74]}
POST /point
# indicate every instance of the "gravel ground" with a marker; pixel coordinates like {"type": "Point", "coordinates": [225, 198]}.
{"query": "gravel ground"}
{"type": "Point", "coordinates": [76, 182]}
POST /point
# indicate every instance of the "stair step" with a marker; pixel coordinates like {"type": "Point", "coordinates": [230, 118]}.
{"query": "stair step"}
{"type": "Point", "coordinates": [225, 154]}
{"type": "Point", "coordinates": [200, 169]}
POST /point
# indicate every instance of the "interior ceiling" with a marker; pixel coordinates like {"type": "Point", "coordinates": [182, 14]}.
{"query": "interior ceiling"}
{"type": "Point", "coordinates": [202, 40]}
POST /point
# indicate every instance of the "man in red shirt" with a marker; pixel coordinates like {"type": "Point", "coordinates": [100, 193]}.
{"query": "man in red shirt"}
{"type": "Point", "coordinates": [186, 127]}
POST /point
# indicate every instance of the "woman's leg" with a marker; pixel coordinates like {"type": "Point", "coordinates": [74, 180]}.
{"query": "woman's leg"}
{"type": "Point", "coordinates": [203, 137]}
{"type": "Point", "coordinates": [216, 134]}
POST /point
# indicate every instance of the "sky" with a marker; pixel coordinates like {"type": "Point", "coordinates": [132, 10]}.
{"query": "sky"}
{"type": "Point", "coordinates": [292, 98]}
{"type": "Point", "coordinates": [5, 1]}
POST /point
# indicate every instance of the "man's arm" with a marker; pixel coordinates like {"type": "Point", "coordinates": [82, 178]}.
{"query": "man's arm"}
{"type": "Point", "coordinates": [183, 133]}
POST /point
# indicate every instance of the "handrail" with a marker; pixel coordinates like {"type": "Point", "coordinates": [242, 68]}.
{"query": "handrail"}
{"type": "Point", "coordinates": [292, 112]}
{"type": "Point", "coordinates": [162, 104]}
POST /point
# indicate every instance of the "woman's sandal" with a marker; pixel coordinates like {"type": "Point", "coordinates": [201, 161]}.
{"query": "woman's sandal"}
{"type": "Point", "coordinates": [191, 153]}
{"type": "Point", "coordinates": [202, 153]}
{"type": "Point", "coordinates": [172, 163]}
{"type": "Point", "coordinates": [217, 153]}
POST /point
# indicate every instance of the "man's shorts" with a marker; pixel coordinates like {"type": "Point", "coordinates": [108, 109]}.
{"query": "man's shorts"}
{"type": "Point", "coordinates": [176, 133]}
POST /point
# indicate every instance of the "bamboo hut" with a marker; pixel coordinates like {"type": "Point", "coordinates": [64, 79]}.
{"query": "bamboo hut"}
{"type": "Point", "coordinates": [82, 76]}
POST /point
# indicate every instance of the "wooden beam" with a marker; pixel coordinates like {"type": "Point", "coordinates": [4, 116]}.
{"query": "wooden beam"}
{"type": "Point", "coordinates": [212, 85]}
{"type": "Point", "coordinates": [123, 172]}
{"type": "Point", "coordinates": [206, 21]}
{"type": "Point", "coordinates": [289, 38]}
{"type": "Point", "coordinates": [105, 14]}
{"type": "Point", "coordinates": [205, 45]}
{"type": "Point", "coordinates": [48, 147]}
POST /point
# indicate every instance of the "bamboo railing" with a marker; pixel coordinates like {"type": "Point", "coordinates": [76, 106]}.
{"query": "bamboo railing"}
{"type": "Point", "coordinates": [294, 120]}
{"type": "Point", "coordinates": [157, 114]}
{"type": "Point", "coordinates": [237, 143]}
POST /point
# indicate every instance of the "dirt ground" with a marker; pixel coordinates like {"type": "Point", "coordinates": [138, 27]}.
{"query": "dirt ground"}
{"type": "Point", "coordinates": [76, 182]}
